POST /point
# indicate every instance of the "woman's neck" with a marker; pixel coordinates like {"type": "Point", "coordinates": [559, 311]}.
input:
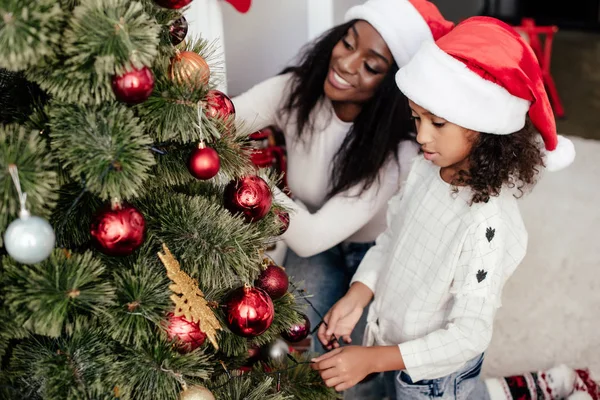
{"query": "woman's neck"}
{"type": "Point", "coordinates": [346, 111]}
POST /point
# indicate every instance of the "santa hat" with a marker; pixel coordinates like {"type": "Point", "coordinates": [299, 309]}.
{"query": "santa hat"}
{"type": "Point", "coordinates": [483, 76]}
{"type": "Point", "coordinates": [241, 5]}
{"type": "Point", "coordinates": [403, 24]}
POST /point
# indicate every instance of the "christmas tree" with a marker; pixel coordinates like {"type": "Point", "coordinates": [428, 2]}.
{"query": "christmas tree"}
{"type": "Point", "coordinates": [132, 223]}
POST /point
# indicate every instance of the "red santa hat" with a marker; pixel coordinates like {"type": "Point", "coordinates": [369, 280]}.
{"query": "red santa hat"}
{"type": "Point", "coordinates": [403, 24]}
{"type": "Point", "coordinates": [483, 76]}
{"type": "Point", "coordinates": [241, 5]}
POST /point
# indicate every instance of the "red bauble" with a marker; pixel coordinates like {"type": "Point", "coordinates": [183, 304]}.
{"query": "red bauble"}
{"type": "Point", "coordinates": [249, 311]}
{"type": "Point", "coordinates": [274, 281]}
{"type": "Point", "coordinates": [250, 196]}
{"type": "Point", "coordinates": [204, 163]}
{"type": "Point", "coordinates": [188, 335]}
{"type": "Point", "coordinates": [118, 230]}
{"type": "Point", "coordinates": [218, 105]}
{"type": "Point", "coordinates": [173, 4]}
{"type": "Point", "coordinates": [297, 332]}
{"type": "Point", "coordinates": [133, 87]}
{"type": "Point", "coordinates": [284, 218]}
{"type": "Point", "coordinates": [178, 30]}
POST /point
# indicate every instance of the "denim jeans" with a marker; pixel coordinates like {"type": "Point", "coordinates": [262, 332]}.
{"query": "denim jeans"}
{"type": "Point", "coordinates": [326, 277]}
{"type": "Point", "coordinates": [465, 384]}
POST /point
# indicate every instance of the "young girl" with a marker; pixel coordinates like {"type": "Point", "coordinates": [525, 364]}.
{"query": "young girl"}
{"type": "Point", "coordinates": [348, 136]}
{"type": "Point", "coordinates": [454, 233]}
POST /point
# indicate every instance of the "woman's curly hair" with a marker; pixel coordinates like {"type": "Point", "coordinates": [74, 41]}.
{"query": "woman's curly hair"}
{"type": "Point", "coordinates": [513, 160]}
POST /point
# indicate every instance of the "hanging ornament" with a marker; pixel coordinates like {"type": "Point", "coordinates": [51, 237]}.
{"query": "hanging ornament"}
{"type": "Point", "coordinates": [189, 69]}
{"type": "Point", "coordinates": [204, 162]}
{"type": "Point", "coordinates": [276, 351]}
{"type": "Point", "coordinates": [250, 196]}
{"type": "Point", "coordinates": [298, 332]}
{"type": "Point", "coordinates": [133, 87]}
{"type": "Point", "coordinates": [118, 230]}
{"type": "Point", "coordinates": [273, 280]}
{"type": "Point", "coordinates": [28, 239]}
{"type": "Point", "coordinates": [196, 393]}
{"type": "Point", "coordinates": [173, 4]}
{"type": "Point", "coordinates": [188, 335]}
{"type": "Point", "coordinates": [178, 30]}
{"type": "Point", "coordinates": [188, 298]}
{"type": "Point", "coordinates": [284, 218]}
{"type": "Point", "coordinates": [218, 105]}
{"type": "Point", "coordinates": [249, 311]}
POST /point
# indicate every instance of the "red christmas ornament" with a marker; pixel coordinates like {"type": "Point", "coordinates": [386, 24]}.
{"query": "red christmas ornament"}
{"type": "Point", "coordinates": [250, 196]}
{"type": "Point", "coordinates": [297, 332]}
{"type": "Point", "coordinates": [178, 30]}
{"type": "Point", "coordinates": [188, 335]}
{"type": "Point", "coordinates": [284, 218]}
{"type": "Point", "coordinates": [249, 311]}
{"type": "Point", "coordinates": [218, 105]}
{"type": "Point", "coordinates": [133, 87]}
{"type": "Point", "coordinates": [204, 162]}
{"type": "Point", "coordinates": [274, 281]}
{"type": "Point", "coordinates": [118, 230]}
{"type": "Point", "coordinates": [173, 4]}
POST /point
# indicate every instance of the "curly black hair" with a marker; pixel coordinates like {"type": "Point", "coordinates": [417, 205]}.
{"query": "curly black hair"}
{"type": "Point", "coordinates": [376, 132]}
{"type": "Point", "coordinates": [514, 160]}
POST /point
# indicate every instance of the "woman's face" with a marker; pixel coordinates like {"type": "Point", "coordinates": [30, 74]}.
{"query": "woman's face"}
{"type": "Point", "coordinates": [358, 65]}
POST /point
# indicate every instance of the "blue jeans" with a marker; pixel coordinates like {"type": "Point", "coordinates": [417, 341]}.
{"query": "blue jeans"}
{"type": "Point", "coordinates": [465, 384]}
{"type": "Point", "coordinates": [326, 277]}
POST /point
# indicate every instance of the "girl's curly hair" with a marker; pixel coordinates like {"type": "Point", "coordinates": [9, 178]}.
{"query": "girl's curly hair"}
{"type": "Point", "coordinates": [514, 160]}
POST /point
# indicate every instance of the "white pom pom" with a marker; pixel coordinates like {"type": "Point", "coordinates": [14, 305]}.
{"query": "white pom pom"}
{"type": "Point", "coordinates": [562, 156]}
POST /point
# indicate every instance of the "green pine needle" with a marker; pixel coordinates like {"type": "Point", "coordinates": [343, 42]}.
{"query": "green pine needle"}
{"type": "Point", "coordinates": [157, 371]}
{"type": "Point", "coordinates": [58, 295]}
{"type": "Point", "coordinates": [106, 145]}
{"type": "Point", "coordinates": [248, 388]}
{"type": "Point", "coordinates": [28, 151]}
{"type": "Point", "coordinates": [65, 368]}
{"type": "Point", "coordinates": [213, 246]}
{"type": "Point", "coordinates": [29, 32]}
{"type": "Point", "coordinates": [142, 296]}
{"type": "Point", "coordinates": [104, 38]}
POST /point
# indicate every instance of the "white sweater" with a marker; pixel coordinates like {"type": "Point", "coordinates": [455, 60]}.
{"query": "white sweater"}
{"type": "Point", "coordinates": [316, 224]}
{"type": "Point", "coordinates": [438, 271]}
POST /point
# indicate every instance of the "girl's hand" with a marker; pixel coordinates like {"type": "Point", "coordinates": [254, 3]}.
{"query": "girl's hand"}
{"type": "Point", "coordinates": [344, 367]}
{"type": "Point", "coordinates": [339, 322]}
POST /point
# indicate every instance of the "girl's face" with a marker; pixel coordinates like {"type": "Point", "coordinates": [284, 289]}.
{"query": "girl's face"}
{"type": "Point", "coordinates": [358, 65]}
{"type": "Point", "coordinates": [445, 144]}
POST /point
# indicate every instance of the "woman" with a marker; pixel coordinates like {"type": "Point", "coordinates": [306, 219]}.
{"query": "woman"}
{"type": "Point", "coordinates": [348, 137]}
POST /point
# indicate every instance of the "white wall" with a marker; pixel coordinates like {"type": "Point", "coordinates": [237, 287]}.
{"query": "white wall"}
{"type": "Point", "coordinates": [263, 41]}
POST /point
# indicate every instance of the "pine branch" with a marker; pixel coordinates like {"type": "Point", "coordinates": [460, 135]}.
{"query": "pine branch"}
{"type": "Point", "coordinates": [213, 246]}
{"type": "Point", "coordinates": [142, 296]}
{"type": "Point", "coordinates": [300, 381]}
{"type": "Point", "coordinates": [246, 387]}
{"type": "Point", "coordinates": [58, 295]}
{"type": "Point", "coordinates": [72, 215]}
{"type": "Point", "coordinates": [157, 371]}
{"type": "Point", "coordinates": [104, 144]}
{"type": "Point", "coordinates": [29, 153]}
{"type": "Point", "coordinates": [29, 32]}
{"type": "Point", "coordinates": [69, 367]}
{"type": "Point", "coordinates": [104, 38]}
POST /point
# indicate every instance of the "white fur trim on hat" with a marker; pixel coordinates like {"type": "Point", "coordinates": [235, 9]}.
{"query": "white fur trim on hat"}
{"type": "Point", "coordinates": [562, 156]}
{"type": "Point", "coordinates": [398, 22]}
{"type": "Point", "coordinates": [446, 87]}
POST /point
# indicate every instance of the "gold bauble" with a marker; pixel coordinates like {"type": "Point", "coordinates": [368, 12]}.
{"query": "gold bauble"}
{"type": "Point", "coordinates": [189, 69]}
{"type": "Point", "coordinates": [196, 393]}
